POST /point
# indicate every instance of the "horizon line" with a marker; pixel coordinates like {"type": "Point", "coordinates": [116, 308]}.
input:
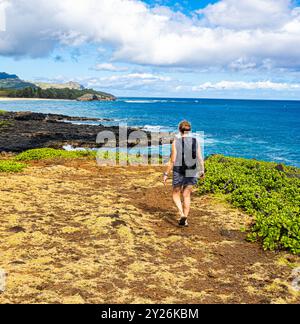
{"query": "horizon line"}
{"type": "Point", "coordinates": [197, 98]}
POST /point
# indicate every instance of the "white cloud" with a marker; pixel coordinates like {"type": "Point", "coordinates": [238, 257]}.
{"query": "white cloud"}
{"type": "Point", "coordinates": [242, 85]}
{"type": "Point", "coordinates": [3, 6]}
{"type": "Point", "coordinates": [243, 34]}
{"type": "Point", "coordinates": [109, 67]}
{"type": "Point", "coordinates": [248, 14]}
{"type": "Point", "coordinates": [149, 84]}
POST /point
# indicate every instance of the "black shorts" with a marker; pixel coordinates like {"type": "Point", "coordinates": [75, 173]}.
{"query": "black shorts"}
{"type": "Point", "coordinates": [180, 180]}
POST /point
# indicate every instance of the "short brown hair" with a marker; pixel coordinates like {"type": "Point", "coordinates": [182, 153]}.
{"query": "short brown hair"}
{"type": "Point", "coordinates": [185, 126]}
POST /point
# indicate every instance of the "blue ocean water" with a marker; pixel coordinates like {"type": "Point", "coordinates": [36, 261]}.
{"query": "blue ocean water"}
{"type": "Point", "coordinates": [264, 130]}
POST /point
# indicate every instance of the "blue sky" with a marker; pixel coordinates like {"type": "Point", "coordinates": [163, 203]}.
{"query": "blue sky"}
{"type": "Point", "coordinates": [162, 48]}
{"type": "Point", "coordinates": [186, 6]}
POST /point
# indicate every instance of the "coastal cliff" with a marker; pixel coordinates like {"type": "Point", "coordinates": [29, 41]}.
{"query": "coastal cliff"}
{"type": "Point", "coordinates": [12, 81]}
{"type": "Point", "coordinates": [96, 97]}
{"type": "Point", "coordinates": [20, 131]}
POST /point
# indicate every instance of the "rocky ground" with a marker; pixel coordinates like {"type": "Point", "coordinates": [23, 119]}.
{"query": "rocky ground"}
{"type": "Point", "coordinates": [21, 131]}
{"type": "Point", "coordinates": [72, 232]}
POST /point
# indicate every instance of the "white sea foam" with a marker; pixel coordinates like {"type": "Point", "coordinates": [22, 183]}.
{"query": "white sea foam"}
{"type": "Point", "coordinates": [158, 128]}
{"type": "Point", "coordinates": [280, 159]}
{"type": "Point", "coordinates": [157, 101]}
{"type": "Point", "coordinates": [209, 140]}
{"type": "Point", "coordinates": [70, 148]}
{"type": "Point", "coordinates": [141, 101]}
{"type": "Point", "coordinates": [92, 123]}
{"type": "Point", "coordinates": [152, 128]}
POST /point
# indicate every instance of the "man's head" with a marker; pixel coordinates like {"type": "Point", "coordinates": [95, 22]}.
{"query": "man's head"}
{"type": "Point", "coordinates": [185, 127]}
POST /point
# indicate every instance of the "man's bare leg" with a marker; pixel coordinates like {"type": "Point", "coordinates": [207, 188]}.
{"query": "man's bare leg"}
{"type": "Point", "coordinates": [177, 200]}
{"type": "Point", "coordinates": [187, 200]}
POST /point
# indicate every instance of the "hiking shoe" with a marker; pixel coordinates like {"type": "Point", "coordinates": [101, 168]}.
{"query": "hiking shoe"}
{"type": "Point", "coordinates": [183, 222]}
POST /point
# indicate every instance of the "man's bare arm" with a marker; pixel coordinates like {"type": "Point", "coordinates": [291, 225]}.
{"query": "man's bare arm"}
{"type": "Point", "coordinates": [201, 160]}
{"type": "Point", "coordinates": [171, 162]}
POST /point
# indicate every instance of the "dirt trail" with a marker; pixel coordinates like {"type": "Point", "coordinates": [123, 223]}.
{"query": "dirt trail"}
{"type": "Point", "coordinates": [74, 233]}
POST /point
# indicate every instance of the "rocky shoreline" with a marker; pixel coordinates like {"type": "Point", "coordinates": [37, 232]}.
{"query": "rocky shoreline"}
{"type": "Point", "coordinates": [20, 131]}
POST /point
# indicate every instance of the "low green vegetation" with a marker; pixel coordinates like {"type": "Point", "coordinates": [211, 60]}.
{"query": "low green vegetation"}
{"type": "Point", "coordinates": [4, 123]}
{"type": "Point", "coordinates": [36, 92]}
{"type": "Point", "coordinates": [269, 192]}
{"type": "Point", "coordinates": [117, 158]}
{"type": "Point", "coordinates": [49, 153]}
{"type": "Point", "coordinates": [105, 157]}
{"type": "Point", "coordinates": [4, 93]}
{"type": "Point", "coordinates": [14, 84]}
{"type": "Point", "coordinates": [11, 166]}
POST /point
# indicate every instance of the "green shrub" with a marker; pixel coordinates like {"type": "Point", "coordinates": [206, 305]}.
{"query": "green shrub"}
{"type": "Point", "coordinates": [270, 194]}
{"type": "Point", "coordinates": [11, 166]}
{"type": "Point", "coordinates": [108, 157]}
{"type": "Point", "coordinates": [112, 158]}
{"type": "Point", "coordinates": [49, 153]}
{"type": "Point", "coordinates": [4, 124]}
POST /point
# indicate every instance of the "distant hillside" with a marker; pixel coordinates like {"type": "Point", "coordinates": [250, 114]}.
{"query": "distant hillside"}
{"type": "Point", "coordinates": [68, 85]}
{"type": "Point", "coordinates": [65, 93]}
{"type": "Point", "coordinates": [13, 87]}
{"type": "Point", "coordinates": [4, 76]}
{"type": "Point", "coordinates": [12, 81]}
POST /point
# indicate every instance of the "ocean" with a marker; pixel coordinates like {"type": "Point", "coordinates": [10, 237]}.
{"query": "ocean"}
{"type": "Point", "coordinates": [257, 129]}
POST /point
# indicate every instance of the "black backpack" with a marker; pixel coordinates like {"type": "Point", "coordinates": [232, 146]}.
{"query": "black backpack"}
{"type": "Point", "coordinates": [184, 166]}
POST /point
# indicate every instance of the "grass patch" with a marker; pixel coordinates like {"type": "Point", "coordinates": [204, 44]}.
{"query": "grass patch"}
{"type": "Point", "coordinates": [4, 124]}
{"type": "Point", "coordinates": [117, 158]}
{"type": "Point", "coordinates": [11, 166]}
{"type": "Point", "coordinates": [269, 193]}
{"type": "Point", "coordinates": [103, 157]}
{"type": "Point", "coordinates": [49, 153]}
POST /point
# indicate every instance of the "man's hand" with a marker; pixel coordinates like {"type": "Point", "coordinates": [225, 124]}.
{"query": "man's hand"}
{"type": "Point", "coordinates": [166, 176]}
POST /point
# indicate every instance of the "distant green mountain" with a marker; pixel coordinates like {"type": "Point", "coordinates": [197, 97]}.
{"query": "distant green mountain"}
{"type": "Point", "coordinates": [13, 87]}
{"type": "Point", "coordinates": [71, 94]}
{"type": "Point", "coordinates": [12, 81]}
{"type": "Point", "coordinates": [4, 75]}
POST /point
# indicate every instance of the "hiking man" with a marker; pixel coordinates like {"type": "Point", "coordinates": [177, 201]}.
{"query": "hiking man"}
{"type": "Point", "coordinates": [188, 166]}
